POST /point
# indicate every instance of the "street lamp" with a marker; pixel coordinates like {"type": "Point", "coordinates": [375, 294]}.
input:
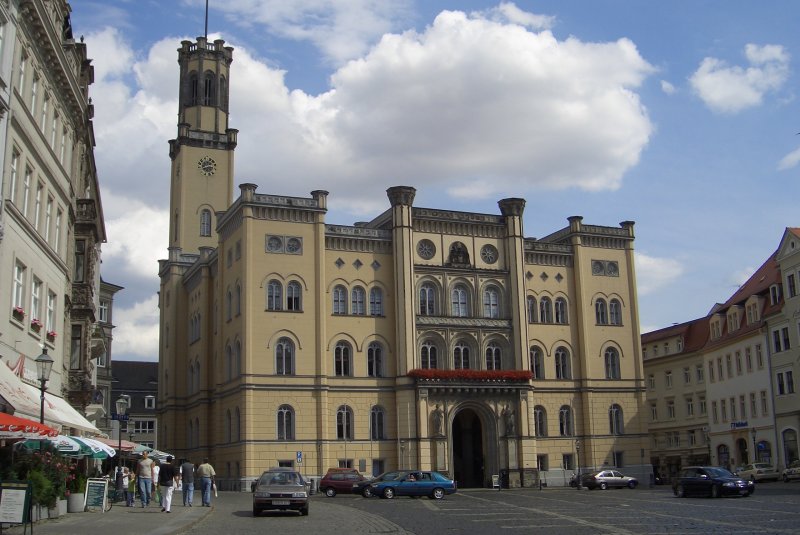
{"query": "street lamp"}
{"type": "Point", "coordinates": [44, 365]}
{"type": "Point", "coordinates": [755, 449]}
{"type": "Point", "coordinates": [402, 454]}
{"type": "Point", "coordinates": [122, 406]}
{"type": "Point", "coordinates": [578, 460]}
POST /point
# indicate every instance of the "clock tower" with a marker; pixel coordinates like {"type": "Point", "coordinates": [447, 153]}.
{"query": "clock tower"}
{"type": "Point", "coordinates": [202, 154]}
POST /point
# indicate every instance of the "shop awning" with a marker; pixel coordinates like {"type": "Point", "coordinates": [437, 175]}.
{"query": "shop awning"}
{"type": "Point", "coordinates": [15, 427]}
{"type": "Point", "coordinates": [26, 402]}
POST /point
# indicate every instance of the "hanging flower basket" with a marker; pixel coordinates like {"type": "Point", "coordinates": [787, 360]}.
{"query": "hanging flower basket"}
{"type": "Point", "coordinates": [18, 313]}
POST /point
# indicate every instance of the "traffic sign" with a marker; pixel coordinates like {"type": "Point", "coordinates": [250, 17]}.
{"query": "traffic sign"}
{"type": "Point", "coordinates": [120, 417]}
{"type": "Point", "coordinates": [299, 457]}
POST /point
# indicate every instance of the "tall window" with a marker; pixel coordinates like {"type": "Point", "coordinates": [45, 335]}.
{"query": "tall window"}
{"type": "Point", "coordinates": [37, 212]}
{"type": "Point", "coordinates": [375, 302]}
{"type": "Point", "coordinates": [615, 312]}
{"type": "Point", "coordinates": [57, 237]}
{"type": "Point", "coordinates": [377, 423]}
{"type": "Point", "coordinates": [530, 303]}
{"type": "Point", "coordinates": [358, 296]}
{"type": "Point", "coordinates": [12, 191]}
{"type": "Point", "coordinates": [601, 312]}
{"type": "Point", "coordinates": [461, 356]}
{"type": "Point", "coordinates": [76, 348]}
{"type": "Point", "coordinates": [205, 223]}
{"type": "Point", "coordinates": [45, 105]}
{"type": "Point", "coordinates": [50, 319]}
{"type": "Point", "coordinates": [459, 301]}
{"type": "Point", "coordinates": [48, 218]}
{"type": "Point", "coordinates": [293, 301]}
{"type": "Point", "coordinates": [238, 299]}
{"type": "Point", "coordinates": [274, 297]}
{"type": "Point", "coordinates": [428, 354]}
{"type": "Point", "coordinates": [341, 359]}
{"type": "Point", "coordinates": [26, 190]}
{"type": "Point", "coordinates": [36, 299]}
{"type": "Point", "coordinates": [427, 300]}
{"type": "Point", "coordinates": [562, 364]}
{"type": "Point", "coordinates": [19, 285]}
{"type": "Point", "coordinates": [34, 91]}
{"type": "Point", "coordinates": [229, 304]}
{"type": "Point", "coordinates": [340, 300]}
{"type": "Point", "coordinates": [375, 360]}
{"type": "Point", "coordinates": [208, 89]}
{"type": "Point", "coordinates": [561, 311]}
{"type": "Point", "coordinates": [284, 357]}
{"type": "Point", "coordinates": [565, 421]}
{"type": "Point", "coordinates": [539, 421]}
{"type": "Point", "coordinates": [493, 357]}
{"type": "Point", "coordinates": [285, 423]}
{"type": "Point", "coordinates": [545, 310]}
{"type": "Point", "coordinates": [491, 304]}
{"type": "Point", "coordinates": [536, 362]}
{"type": "Point", "coordinates": [344, 423]}
{"type": "Point", "coordinates": [612, 363]}
{"type": "Point", "coordinates": [615, 420]}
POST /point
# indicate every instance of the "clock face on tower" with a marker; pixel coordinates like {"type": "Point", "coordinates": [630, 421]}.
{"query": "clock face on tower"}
{"type": "Point", "coordinates": [207, 165]}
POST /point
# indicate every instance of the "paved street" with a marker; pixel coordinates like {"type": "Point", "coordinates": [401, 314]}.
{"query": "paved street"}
{"type": "Point", "coordinates": [773, 509]}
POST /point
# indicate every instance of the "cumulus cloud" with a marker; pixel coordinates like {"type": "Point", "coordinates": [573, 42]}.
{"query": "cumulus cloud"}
{"type": "Point", "coordinates": [730, 89]}
{"type": "Point", "coordinates": [790, 160]}
{"type": "Point", "coordinates": [654, 273]}
{"type": "Point", "coordinates": [509, 12]}
{"type": "Point", "coordinates": [136, 334]}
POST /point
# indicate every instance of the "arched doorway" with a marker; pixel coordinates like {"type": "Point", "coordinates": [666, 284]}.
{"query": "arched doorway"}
{"type": "Point", "coordinates": [743, 455]}
{"type": "Point", "coordinates": [468, 455]}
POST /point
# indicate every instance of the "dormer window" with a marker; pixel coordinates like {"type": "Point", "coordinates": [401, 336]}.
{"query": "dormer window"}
{"type": "Point", "coordinates": [679, 343]}
{"type": "Point", "coordinates": [774, 294]}
{"type": "Point", "coordinates": [716, 331]}
{"type": "Point", "coordinates": [752, 313]}
{"type": "Point", "coordinates": [149, 402]}
{"type": "Point", "coordinates": [733, 321]}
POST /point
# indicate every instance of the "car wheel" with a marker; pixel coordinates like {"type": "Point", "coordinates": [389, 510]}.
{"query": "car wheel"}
{"type": "Point", "coordinates": [388, 493]}
{"type": "Point", "coordinates": [715, 491]}
{"type": "Point", "coordinates": [437, 494]}
{"type": "Point", "coordinates": [631, 484]}
{"type": "Point", "coordinates": [603, 485]}
{"type": "Point", "coordinates": [304, 511]}
{"type": "Point", "coordinates": [680, 492]}
{"type": "Point", "coordinates": [367, 492]}
{"type": "Point", "coordinates": [256, 511]}
{"type": "Point", "coordinates": [330, 492]}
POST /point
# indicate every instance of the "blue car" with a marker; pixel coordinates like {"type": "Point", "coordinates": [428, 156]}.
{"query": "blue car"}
{"type": "Point", "coordinates": [415, 483]}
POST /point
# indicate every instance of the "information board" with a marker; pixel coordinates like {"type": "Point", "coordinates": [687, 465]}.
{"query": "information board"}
{"type": "Point", "coordinates": [15, 501]}
{"type": "Point", "coordinates": [96, 493]}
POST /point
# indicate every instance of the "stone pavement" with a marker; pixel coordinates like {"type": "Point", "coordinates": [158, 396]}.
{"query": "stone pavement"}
{"type": "Point", "coordinates": [122, 520]}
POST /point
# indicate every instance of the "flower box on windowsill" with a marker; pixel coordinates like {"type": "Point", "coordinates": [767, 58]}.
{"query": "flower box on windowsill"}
{"type": "Point", "coordinates": [51, 336]}
{"type": "Point", "coordinates": [18, 314]}
{"type": "Point", "coordinates": [36, 325]}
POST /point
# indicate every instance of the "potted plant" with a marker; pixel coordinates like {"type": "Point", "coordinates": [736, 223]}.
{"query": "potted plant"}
{"type": "Point", "coordinates": [36, 325]}
{"type": "Point", "coordinates": [51, 336]}
{"type": "Point", "coordinates": [18, 313]}
{"type": "Point", "coordinates": [76, 488]}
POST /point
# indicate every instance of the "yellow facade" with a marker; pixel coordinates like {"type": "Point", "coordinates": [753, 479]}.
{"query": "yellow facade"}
{"type": "Point", "coordinates": [402, 342]}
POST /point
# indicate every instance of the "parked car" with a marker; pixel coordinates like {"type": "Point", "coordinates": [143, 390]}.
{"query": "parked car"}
{"type": "Point", "coordinates": [608, 478]}
{"type": "Point", "coordinates": [759, 472]}
{"type": "Point", "coordinates": [710, 481]}
{"type": "Point", "coordinates": [791, 472]}
{"type": "Point", "coordinates": [414, 483]}
{"type": "Point", "coordinates": [365, 487]}
{"type": "Point", "coordinates": [339, 480]}
{"type": "Point", "coordinates": [280, 489]}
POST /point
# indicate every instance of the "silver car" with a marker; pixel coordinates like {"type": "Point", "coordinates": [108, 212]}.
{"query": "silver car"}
{"type": "Point", "coordinates": [758, 472]}
{"type": "Point", "coordinates": [792, 471]}
{"type": "Point", "coordinates": [280, 489]}
{"type": "Point", "coordinates": [608, 478]}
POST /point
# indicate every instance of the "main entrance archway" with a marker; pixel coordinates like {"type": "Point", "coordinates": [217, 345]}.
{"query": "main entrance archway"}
{"type": "Point", "coordinates": [468, 455]}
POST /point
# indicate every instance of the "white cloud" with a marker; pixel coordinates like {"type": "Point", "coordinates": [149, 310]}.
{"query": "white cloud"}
{"type": "Point", "coordinates": [790, 160]}
{"type": "Point", "coordinates": [654, 273]}
{"type": "Point", "coordinates": [730, 89]}
{"type": "Point", "coordinates": [741, 276]}
{"type": "Point", "coordinates": [137, 236]}
{"type": "Point", "coordinates": [136, 332]}
{"type": "Point", "coordinates": [667, 87]}
{"type": "Point", "coordinates": [509, 12]}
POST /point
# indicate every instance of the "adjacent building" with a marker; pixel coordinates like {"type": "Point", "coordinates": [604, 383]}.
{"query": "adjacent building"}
{"type": "Point", "coordinates": [425, 337]}
{"type": "Point", "coordinates": [137, 382]}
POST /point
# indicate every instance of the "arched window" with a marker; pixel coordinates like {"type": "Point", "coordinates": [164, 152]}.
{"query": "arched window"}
{"type": "Point", "coordinates": [344, 423]}
{"type": "Point", "coordinates": [459, 301]}
{"type": "Point", "coordinates": [274, 295]}
{"type": "Point", "coordinates": [285, 422]}
{"type": "Point", "coordinates": [461, 356]}
{"type": "Point", "coordinates": [223, 93]}
{"type": "Point", "coordinates": [190, 380]}
{"type": "Point", "coordinates": [375, 360]}
{"type": "Point", "coordinates": [545, 310]}
{"type": "Point", "coordinates": [228, 359]}
{"type": "Point", "coordinates": [358, 297]}
{"type": "Point", "coordinates": [375, 302]}
{"type": "Point", "coordinates": [493, 357]}
{"type": "Point", "coordinates": [237, 423]}
{"type": "Point", "coordinates": [284, 357]}
{"type": "Point", "coordinates": [562, 364]}
{"type": "Point", "coordinates": [197, 376]}
{"type": "Point", "coordinates": [530, 301]}
{"type": "Point", "coordinates": [377, 423]}
{"type": "Point", "coordinates": [227, 426]}
{"type": "Point", "coordinates": [205, 223]}
{"type": "Point", "coordinates": [615, 420]}
{"type": "Point", "coordinates": [612, 363]}
{"type": "Point", "coordinates": [209, 96]}
{"type": "Point", "coordinates": [340, 300]}
{"type": "Point", "coordinates": [537, 362]}
{"type": "Point", "coordinates": [293, 293]}
{"type": "Point", "coordinates": [491, 303]}
{"type": "Point", "coordinates": [193, 90]}
{"type": "Point", "coordinates": [565, 421]}
{"type": "Point", "coordinates": [341, 359]}
{"type": "Point", "coordinates": [427, 300]}
{"type": "Point", "coordinates": [615, 312]}
{"type": "Point", "coordinates": [539, 421]}
{"type": "Point", "coordinates": [238, 298]}
{"type": "Point", "coordinates": [428, 355]}
{"type": "Point", "coordinates": [229, 304]}
{"type": "Point", "coordinates": [561, 311]}
{"type": "Point", "coordinates": [601, 312]}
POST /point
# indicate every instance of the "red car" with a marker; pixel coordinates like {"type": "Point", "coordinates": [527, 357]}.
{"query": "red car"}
{"type": "Point", "coordinates": [339, 480]}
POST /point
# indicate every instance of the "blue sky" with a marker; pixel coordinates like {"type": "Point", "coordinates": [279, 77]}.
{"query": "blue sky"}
{"type": "Point", "coordinates": [681, 116]}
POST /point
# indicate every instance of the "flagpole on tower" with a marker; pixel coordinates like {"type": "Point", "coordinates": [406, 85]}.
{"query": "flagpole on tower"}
{"type": "Point", "coordinates": [206, 34]}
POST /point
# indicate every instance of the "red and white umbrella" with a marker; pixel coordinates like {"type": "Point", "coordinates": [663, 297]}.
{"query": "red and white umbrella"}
{"type": "Point", "coordinates": [15, 427]}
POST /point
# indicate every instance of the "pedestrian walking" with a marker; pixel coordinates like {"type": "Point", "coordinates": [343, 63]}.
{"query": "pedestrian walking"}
{"type": "Point", "coordinates": [156, 492]}
{"type": "Point", "coordinates": [206, 474]}
{"type": "Point", "coordinates": [167, 480]}
{"type": "Point", "coordinates": [130, 491]}
{"type": "Point", "coordinates": [187, 479]}
{"type": "Point", "coordinates": [144, 476]}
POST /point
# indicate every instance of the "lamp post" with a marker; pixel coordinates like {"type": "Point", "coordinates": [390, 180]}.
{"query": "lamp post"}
{"type": "Point", "coordinates": [44, 365]}
{"type": "Point", "coordinates": [755, 449]}
{"type": "Point", "coordinates": [122, 407]}
{"type": "Point", "coordinates": [708, 444]}
{"type": "Point", "coordinates": [578, 460]}
{"type": "Point", "coordinates": [402, 454]}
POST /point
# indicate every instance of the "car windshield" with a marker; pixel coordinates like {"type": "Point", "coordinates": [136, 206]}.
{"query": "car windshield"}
{"type": "Point", "coordinates": [718, 472]}
{"type": "Point", "coordinates": [762, 465]}
{"type": "Point", "coordinates": [280, 478]}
